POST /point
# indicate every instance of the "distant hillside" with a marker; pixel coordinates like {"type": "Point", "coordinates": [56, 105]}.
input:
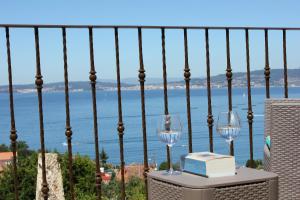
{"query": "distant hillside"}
{"type": "Point", "coordinates": [60, 86]}
{"type": "Point", "coordinates": [257, 78]}
{"type": "Point", "coordinates": [239, 80]}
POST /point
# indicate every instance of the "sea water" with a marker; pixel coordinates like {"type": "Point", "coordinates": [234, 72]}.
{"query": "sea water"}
{"type": "Point", "coordinates": [27, 121]}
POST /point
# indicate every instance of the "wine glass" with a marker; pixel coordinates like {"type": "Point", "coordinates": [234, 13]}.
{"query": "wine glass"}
{"type": "Point", "coordinates": [169, 131]}
{"type": "Point", "coordinates": [228, 125]}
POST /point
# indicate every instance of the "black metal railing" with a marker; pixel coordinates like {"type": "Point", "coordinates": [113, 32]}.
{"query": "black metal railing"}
{"type": "Point", "coordinates": [68, 132]}
{"type": "Point", "coordinates": [210, 119]}
{"type": "Point", "coordinates": [39, 87]}
{"type": "Point", "coordinates": [142, 77]}
{"type": "Point", "coordinates": [93, 79]}
{"type": "Point", "coordinates": [166, 109]}
{"type": "Point", "coordinates": [13, 131]}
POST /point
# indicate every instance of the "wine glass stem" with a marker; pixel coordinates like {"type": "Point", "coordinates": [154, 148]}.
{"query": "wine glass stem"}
{"type": "Point", "coordinates": [229, 147]}
{"type": "Point", "coordinates": [171, 165]}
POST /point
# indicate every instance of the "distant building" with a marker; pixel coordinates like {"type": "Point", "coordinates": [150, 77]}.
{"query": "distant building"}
{"type": "Point", "coordinates": [133, 169]}
{"type": "Point", "coordinates": [105, 176]}
{"type": "Point", "coordinates": [5, 159]}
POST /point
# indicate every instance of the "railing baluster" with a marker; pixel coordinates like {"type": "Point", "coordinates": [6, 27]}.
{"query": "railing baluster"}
{"type": "Point", "coordinates": [267, 65]}
{"type": "Point", "coordinates": [286, 93]}
{"type": "Point", "coordinates": [187, 75]}
{"type": "Point", "coordinates": [166, 108]}
{"type": "Point", "coordinates": [120, 123]}
{"type": "Point", "coordinates": [39, 87]}
{"type": "Point", "coordinates": [93, 79]}
{"type": "Point", "coordinates": [250, 113]}
{"type": "Point", "coordinates": [142, 90]}
{"type": "Point", "coordinates": [68, 131]}
{"type": "Point", "coordinates": [229, 81]}
{"type": "Point", "coordinates": [13, 131]}
{"type": "Point", "coordinates": [210, 119]}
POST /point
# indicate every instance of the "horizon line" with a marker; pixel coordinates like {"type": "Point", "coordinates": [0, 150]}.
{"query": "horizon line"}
{"type": "Point", "coordinates": [111, 80]}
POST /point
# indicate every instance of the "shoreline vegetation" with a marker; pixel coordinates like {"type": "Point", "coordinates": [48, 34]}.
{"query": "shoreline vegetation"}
{"type": "Point", "coordinates": [84, 177]}
{"type": "Point", "coordinates": [83, 172]}
{"type": "Point", "coordinates": [218, 81]}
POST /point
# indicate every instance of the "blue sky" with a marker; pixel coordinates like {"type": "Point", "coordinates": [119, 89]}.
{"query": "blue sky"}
{"type": "Point", "coordinates": [212, 13]}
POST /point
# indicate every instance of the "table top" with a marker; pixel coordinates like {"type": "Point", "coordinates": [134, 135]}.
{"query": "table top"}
{"type": "Point", "coordinates": [244, 176]}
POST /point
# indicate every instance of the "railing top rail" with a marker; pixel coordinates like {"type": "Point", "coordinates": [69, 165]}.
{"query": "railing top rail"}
{"type": "Point", "coordinates": [146, 27]}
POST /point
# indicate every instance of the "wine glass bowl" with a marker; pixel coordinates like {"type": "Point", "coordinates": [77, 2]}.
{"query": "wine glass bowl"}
{"type": "Point", "coordinates": [169, 131]}
{"type": "Point", "coordinates": [169, 137]}
{"type": "Point", "coordinates": [228, 125]}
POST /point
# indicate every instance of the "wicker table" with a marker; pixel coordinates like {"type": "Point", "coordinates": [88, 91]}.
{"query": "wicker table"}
{"type": "Point", "coordinates": [248, 184]}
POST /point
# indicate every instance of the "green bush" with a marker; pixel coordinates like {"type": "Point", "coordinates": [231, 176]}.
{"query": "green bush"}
{"type": "Point", "coordinates": [27, 171]}
{"type": "Point", "coordinates": [83, 175]}
{"type": "Point", "coordinates": [164, 166]}
{"type": "Point", "coordinates": [83, 172]}
{"type": "Point", "coordinates": [257, 164]}
{"type": "Point", "coordinates": [135, 189]}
